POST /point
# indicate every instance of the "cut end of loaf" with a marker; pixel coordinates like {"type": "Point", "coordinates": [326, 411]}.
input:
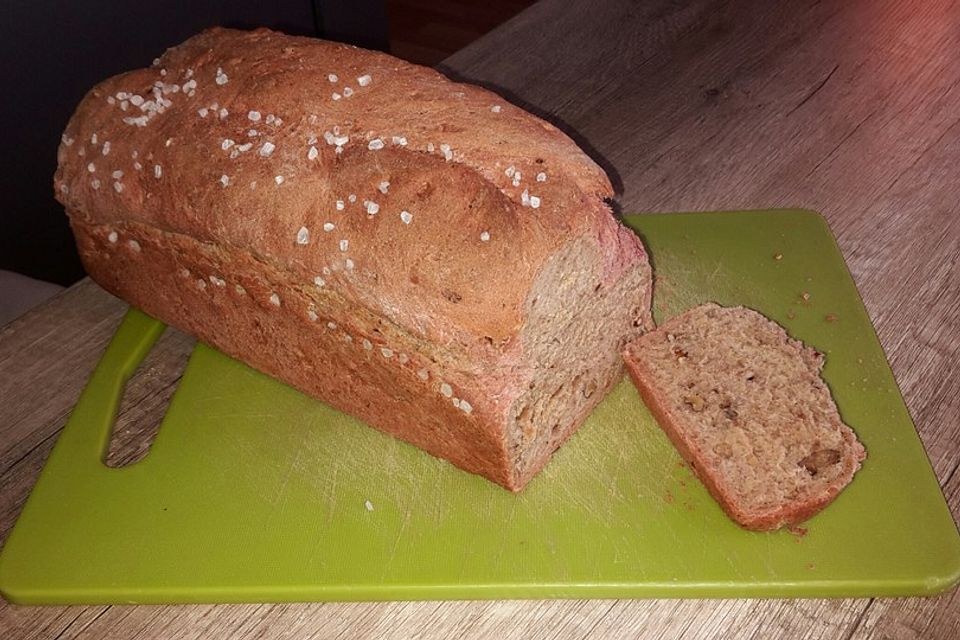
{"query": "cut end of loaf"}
{"type": "Point", "coordinates": [746, 407]}
{"type": "Point", "coordinates": [578, 322]}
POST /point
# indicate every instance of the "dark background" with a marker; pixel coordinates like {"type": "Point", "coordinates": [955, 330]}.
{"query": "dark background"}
{"type": "Point", "coordinates": [53, 51]}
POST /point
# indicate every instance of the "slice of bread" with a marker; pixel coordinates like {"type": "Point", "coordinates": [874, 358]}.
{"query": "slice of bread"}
{"type": "Point", "coordinates": [746, 407]}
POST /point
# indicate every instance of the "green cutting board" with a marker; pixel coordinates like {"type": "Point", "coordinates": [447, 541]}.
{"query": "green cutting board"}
{"type": "Point", "coordinates": [254, 492]}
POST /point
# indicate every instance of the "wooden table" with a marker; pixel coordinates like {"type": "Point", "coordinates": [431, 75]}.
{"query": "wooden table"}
{"type": "Point", "coordinates": [847, 107]}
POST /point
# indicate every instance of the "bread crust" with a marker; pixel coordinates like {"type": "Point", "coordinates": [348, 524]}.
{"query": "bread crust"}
{"type": "Point", "coordinates": [375, 250]}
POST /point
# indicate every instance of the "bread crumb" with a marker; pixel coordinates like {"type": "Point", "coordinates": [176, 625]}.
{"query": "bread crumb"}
{"type": "Point", "coordinates": [831, 317]}
{"type": "Point", "coordinates": [368, 505]}
{"type": "Point", "coordinates": [446, 390]}
{"type": "Point", "coordinates": [805, 296]}
{"type": "Point", "coordinates": [778, 256]}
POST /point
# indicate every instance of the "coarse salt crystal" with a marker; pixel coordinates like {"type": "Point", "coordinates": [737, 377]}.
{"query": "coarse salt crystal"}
{"type": "Point", "coordinates": [423, 374]}
{"type": "Point", "coordinates": [224, 179]}
{"type": "Point", "coordinates": [336, 96]}
{"type": "Point", "coordinates": [332, 77]}
{"type": "Point", "coordinates": [267, 149]}
{"type": "Point", "coordinates": [226, 144]}
{"type": "Point", "coordinates": [319, 281]}
{"type": "Point", "coordinates": [541, 177]}
{"type": "Point", "coordinates": [221, 78]}
{"type": "Point", "coordinates": [364, 80]}
{"type": "Point", "coordinates": [372, 208]}
{"type": "Point", "coordinates": [348, 264]}
{"type": "Point", "coordinates": [274, 299]}
{"type": "Point", "coordinates": [253, 116]}
{"type": "Point", "coordinates": [312, 315]}
{"type": "Point", "coordinates": [106, 148]}
{"type": "Point", "coordinates": [203, 112]}
{"type": "Point", "coordinates": [446, 390]}
{"type": "Point", "coordinates": [344, 245]}
{"type": "Point", "coordinates": [116, 175]}
{"type": "Point", "coordinates": [352, 197]}
{"type": "Point", "coordinates": [367, 344]}
{"type": "Point", "coordinates": [329, 226]}
{"type": "Point", "coordinates": [157, 171]}
{"type": "Point", "coordinates": [133, 244]}
{"type": "Point", "coordinates": [312, 153]}
{"type": "Point", "coordinates": [485, 236]}
{"type": "Point", "coordinates": [525, 198]}
{"type": "Point", "coordinates": [117, 187]}
{"type": "Point", "coordinates": [91, 167]}
{"type": "Point", "coordinates": [347, 92]}
{"type": "Point", "coordinates": [387, 353]}
{"type": "Point", "coordinates": [303, 235]}
{"type": "Point", "coordinates": [510, 171]}
{"type": "Point", "coordinates": [447, 153]}
{"type": "Point", "coordinates": [400, 140]}
{"type": "Point", "coordinates": [535, 202]}
{"type": "Point", "coordinates": [95, 184]}
{"type": "Point", "coordinates": [112, 237]}
{"type": "Point", "coordinates": [368, 505]}
{"type": "Point", "coordinates": [223, 113]}
{"type": "Point", "coordinates": [340, 205]}
{"type": "Point", "coordinates": [278, 180]}
{"type": "Point", "coordinates": [466, 407]}
{"type": "Point", "coordinates": [331, 325]}
{"type": "Point", "coordinates": [137, 166]}
{"type": "Point", "coordinates": [375, 144]}
{"type": "Point", "coordinates": [495, 108]}
{"type": "Point", "coordinates": [406, 216]}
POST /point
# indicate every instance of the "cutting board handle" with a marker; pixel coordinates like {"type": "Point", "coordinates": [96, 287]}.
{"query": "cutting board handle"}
{"type": "Point", "coordinates": [88, 431]}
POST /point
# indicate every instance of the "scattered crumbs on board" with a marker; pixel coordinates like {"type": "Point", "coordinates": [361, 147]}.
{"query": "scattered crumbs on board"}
{"type": "Point", "coordinates": [805, 296]}
{"type": "Point", "coordinates": [798, 532]}
{"type": "Point", "coordinates": [778, 256]}
{"type": "Point", "coordinates": [668, 497]}
{"type": "Point", "coordinates": [831, 317]}
{"type": "Point", "coordinates": [368, 505]}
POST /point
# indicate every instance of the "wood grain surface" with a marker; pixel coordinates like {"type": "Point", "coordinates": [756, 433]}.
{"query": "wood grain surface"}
{"type": "Point", "coordinates": [847, 107]}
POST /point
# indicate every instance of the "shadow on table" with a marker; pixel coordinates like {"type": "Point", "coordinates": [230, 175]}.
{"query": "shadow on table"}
{"type": "Point", "coordinates": [552, 118]}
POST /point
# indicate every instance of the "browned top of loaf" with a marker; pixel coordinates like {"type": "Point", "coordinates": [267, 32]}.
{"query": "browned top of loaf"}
{"type": "Point", "coordinates": [245, 138]}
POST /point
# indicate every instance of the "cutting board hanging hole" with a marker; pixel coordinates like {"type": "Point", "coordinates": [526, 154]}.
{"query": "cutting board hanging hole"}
{"type": "Point", "coordinates": [146, 397]}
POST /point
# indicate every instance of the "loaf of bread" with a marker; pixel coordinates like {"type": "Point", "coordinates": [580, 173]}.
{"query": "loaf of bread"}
{"type": "Point", "coordinates": [746, 407]}
{"type": "Point", "coordinates": [415, 252]}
